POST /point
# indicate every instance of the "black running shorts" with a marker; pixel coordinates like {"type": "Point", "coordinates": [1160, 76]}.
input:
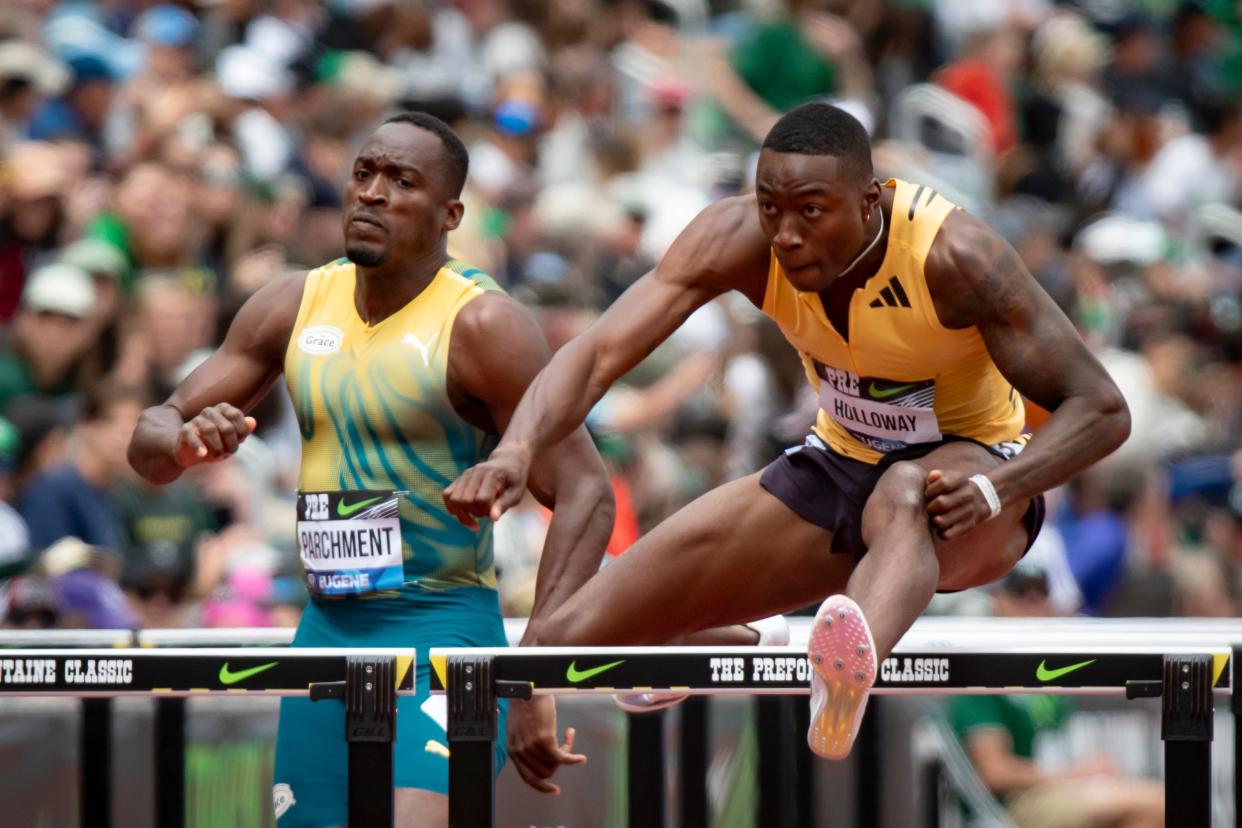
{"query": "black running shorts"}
{"type": "Point", "coordinates": [830, 490]}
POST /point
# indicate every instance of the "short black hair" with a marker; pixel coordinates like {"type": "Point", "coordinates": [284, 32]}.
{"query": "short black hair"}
{"type": "Point", "coordinates": [822, 129]}
{"type": "Point", "coordinates": [455, 156]}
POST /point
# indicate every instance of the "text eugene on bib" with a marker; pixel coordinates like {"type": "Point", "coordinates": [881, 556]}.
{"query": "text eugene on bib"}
{"type": "Point", "coordinates": [350, 542]}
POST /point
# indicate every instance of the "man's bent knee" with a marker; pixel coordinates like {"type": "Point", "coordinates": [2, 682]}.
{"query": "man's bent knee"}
{"type": "Point", "coordinates": [900, 491]}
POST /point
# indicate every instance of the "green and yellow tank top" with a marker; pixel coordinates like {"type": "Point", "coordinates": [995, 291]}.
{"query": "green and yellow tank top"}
{"type": "Point", "coordinates": [902, 378]}
{"type": "Point", "coordinates": [373, 407]}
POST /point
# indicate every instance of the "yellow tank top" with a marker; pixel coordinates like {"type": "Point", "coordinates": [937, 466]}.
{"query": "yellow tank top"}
{"type": "Point", "coordinates": [903, 378]}
{"type": "Point", "coordinates": [373, 407]}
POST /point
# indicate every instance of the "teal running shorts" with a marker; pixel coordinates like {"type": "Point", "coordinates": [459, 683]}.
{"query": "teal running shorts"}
{"type": "Point", "coordinates": [311, 776]}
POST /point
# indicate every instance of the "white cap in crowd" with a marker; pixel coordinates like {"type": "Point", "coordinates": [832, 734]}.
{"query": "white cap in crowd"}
{"type": "Point", "coordinates": [60, 288]}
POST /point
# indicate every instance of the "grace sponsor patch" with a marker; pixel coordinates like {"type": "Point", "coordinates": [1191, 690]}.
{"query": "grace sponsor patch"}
{"type": "Point", "coordinates": [321, 339]}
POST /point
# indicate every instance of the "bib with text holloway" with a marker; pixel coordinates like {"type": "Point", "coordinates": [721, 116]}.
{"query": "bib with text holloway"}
{"type": "Point", "coordinates": [882, 414]}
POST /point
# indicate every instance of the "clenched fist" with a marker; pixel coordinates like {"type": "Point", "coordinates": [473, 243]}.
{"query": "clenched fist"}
{"type": "Point", "coordinates": [490, 488]}
{"type": "Point", "coordinates": [954, 504]}
{"type": "Point", "coordinates": [214, 434]}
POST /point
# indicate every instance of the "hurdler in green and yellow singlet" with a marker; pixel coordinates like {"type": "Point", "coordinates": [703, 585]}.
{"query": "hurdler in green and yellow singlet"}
{"type": "Point", "coordinates": [376, 419]}
{"type": "Point", "coordinates": [387, 566]}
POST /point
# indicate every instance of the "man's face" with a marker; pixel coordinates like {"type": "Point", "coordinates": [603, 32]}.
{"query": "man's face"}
{"type": "Point", "coordinates": [109, 435]}
{"type": "Point", "coordinates": [174, 322]}
{"type": "Point", "coordinates": [813, 210]}
{"type": "Point", "coordinates": [34, 218]}
{"type": "Point", "coordinates": [398, 203]}
{"type": "Point", "coordinates": [92, 100]}
{"type": "Point", "coordinates": [171, 64]}
{"type": "Point", "coordinates": [52, 342]}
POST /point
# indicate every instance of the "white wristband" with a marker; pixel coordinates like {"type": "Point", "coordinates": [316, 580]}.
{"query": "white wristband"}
{"type": "Point", "coordinates": [989, 493]}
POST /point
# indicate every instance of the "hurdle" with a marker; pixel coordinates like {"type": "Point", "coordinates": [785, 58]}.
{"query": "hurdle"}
{"type": "Point", "coordinates": [367, 681]}
{"type": "Point", "coordinates": [1184, 664]}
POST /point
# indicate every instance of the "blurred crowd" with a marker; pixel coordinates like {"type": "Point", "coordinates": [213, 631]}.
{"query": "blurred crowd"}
{"type": "Point", "coordinates": [160, 162]}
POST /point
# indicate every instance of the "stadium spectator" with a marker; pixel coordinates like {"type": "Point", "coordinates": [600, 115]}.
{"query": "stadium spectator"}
{"type": "Point", "coordinates": [32, 214]}
{"type": "Point", "coordinates": [51, 335]}
{"type": "Point", "coordinates": [14, 537]}
{"type": "Point", "coordinates": [1003, 735]}
{"type": "Point", "coordinates": [71, 499]}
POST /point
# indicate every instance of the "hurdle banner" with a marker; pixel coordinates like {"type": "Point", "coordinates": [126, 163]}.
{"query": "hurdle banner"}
{"type": "Point", "coordinates": [189, 672]}
{"type": "Point", "coordinates": [368, 681]}
{"type": "Point", "coordinates": [752, 671]}
{"type": "Point", "coordinates": [1184, 678]}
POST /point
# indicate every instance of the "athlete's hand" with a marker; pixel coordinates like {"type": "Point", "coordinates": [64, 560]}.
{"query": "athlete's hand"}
{"type": "Point", "coordinates": [954, 504]}
{"type": "Point", "coordinates": [489, 489]}
{"type": "Point", "coordinates": [533, 748]}
{"type": "Point", "coordinates": [214, 434]}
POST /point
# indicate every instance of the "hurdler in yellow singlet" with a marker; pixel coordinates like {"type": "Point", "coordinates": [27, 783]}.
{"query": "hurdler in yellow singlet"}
{"type": "Point", "coordinates": [373, 406]}
{"type": "Point", "coordinates": [902, 378]}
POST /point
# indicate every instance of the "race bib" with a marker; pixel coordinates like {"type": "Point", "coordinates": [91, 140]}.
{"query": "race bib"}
{"type": "Point", "coordinates": [350, 542]}
{"type": "Point", "coordinates": [882, 414]}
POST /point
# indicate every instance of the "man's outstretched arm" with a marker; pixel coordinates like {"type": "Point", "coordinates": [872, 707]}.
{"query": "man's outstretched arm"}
{"type": "Point", "coordinates": [204, 419]}
{"type": "Point", "coordinates": [979, 279]}
{"type": "Point", "coordinates": [704, 262]}
{"type": "Point", "coordinates": [496, 350]}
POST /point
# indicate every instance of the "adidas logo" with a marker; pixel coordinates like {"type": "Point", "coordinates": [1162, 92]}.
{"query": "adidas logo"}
{"type": "Point", "coordinates": [893, 296]}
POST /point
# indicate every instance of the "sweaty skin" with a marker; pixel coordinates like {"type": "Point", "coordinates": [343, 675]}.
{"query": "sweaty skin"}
{"type": "Point", "coordinates": [926, 526]}
{"type": "Point", "coordinates": [399, 207]}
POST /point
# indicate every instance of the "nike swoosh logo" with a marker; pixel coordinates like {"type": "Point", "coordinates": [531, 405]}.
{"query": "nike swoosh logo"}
{"type": "Point", "coordinates": [346, 511]}
{"type": "Point", "coordinates": [228, 676]}
{"type": "Point", "coordinates": [575, 675]}
{"type": "Point", "coordinates": [881, 394]}
{"type": "Point", "coordinates": [1044, 674]}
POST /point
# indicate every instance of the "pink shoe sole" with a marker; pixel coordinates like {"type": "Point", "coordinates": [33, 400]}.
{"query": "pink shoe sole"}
{"type": "Point", "coordinates": [842, 655]}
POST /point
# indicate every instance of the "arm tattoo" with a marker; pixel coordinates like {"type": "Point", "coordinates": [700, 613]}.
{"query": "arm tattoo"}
{"type": "Point", "coordinates": [1027, 336]}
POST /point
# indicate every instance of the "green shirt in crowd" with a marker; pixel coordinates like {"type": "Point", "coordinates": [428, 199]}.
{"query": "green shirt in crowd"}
{"type": "Point", "coordinates": [1023, 716]}
{"type": "Point", "coordinates": [780, 66]}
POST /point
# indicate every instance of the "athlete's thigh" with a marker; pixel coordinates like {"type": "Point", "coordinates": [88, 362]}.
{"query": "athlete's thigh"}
{"type": "Point", "coordinates": [991, 548]}
{"type": "Point", "coordinates": [421, 751]}
{"type": "Point", "coordinates": [733, 555]}
{"type": "Point", "coordinates": [311, 779]}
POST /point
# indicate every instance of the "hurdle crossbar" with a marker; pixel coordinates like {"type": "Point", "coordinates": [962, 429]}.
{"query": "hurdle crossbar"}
{"type": "Point", "coordinates": [106, 673]}
{"type": "Point", "coordinates": [1185, 677]}
{"type": "Point", "coordinates": [368, 681]}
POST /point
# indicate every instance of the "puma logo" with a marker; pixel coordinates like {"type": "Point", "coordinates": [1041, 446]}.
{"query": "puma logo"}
{"type": "Point", "coordinates": [413, 341]}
